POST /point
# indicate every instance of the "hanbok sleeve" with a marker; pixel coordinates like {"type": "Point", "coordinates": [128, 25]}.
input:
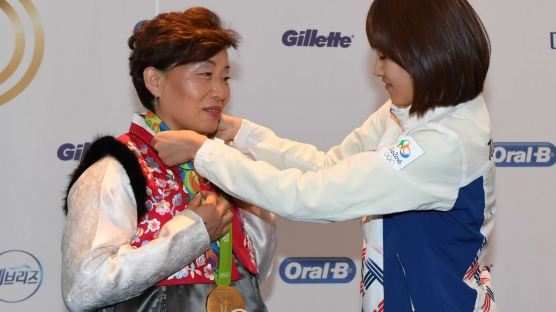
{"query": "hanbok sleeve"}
{"type": "Point", "coordinates": [99, 265]}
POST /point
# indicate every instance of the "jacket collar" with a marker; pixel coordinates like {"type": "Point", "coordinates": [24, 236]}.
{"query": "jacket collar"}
{"type": "Point", "coordinates": [408, 121]}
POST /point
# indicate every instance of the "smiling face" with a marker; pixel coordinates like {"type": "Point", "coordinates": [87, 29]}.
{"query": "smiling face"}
{"type": "Point", "coordinates": [191, 96]}
{"type": "Point", "coordinates": [397, 81]}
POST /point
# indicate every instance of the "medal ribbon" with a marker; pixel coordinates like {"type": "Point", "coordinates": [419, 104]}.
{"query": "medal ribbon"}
{"type": "Point", "coordinates": [191, 184]}
{"type": "Point", "coordinates": [224, 274]}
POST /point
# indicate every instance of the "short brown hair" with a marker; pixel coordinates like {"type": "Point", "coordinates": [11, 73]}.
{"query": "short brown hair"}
{"type": "Point", "coordinates": [442, 44]}
{"type": "Point", "coordinates": [173, 39]}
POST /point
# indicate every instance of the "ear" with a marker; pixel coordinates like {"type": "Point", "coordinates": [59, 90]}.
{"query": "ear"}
{"type": "Point", "coordinates": [153, 80]}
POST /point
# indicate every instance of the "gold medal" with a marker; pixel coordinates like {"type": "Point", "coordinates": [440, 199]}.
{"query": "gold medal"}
{"type": "Point", "coordinates": [224, 299]}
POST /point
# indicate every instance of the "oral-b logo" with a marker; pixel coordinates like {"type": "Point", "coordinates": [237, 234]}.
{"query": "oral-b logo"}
{"type": "Point", "coordinates": [524, 154]}
{"type": "Point", "coordinates": [334, 270]}
{"type": "Point", "coordinates": [311, 38]}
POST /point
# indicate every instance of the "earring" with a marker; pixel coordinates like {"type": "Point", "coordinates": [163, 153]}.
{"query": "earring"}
{"type": "Point", "coordinates": [155, 100]}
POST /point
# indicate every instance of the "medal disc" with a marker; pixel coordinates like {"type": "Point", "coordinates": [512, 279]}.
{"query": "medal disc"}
{"type": "Point", "coordinates": [224, 299]}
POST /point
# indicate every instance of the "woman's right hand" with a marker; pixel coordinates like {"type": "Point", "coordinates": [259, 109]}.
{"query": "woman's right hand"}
{"type": "Point", "coordinates": [177, 147]}
{"type": "Point", "coordinates": [215, 212]}
{"type": "Point", "coordinates": [228, 127]}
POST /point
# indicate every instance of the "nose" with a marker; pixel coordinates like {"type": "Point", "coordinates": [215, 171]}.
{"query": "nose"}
{"type": "Point", "coordinates": [220, 90]}
{"type": "Point", "coordinates": [378, 70]}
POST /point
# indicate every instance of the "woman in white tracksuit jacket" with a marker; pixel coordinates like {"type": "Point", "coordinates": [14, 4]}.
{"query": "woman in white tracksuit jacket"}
{"type": "Point", "coordinates": [419, 171]}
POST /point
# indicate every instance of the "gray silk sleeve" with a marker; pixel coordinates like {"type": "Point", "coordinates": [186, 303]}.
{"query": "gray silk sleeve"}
{"type": "Point", "coordinates": [99, 265]}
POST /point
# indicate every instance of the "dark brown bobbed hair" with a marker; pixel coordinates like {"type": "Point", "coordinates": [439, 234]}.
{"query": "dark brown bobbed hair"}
{"type": "Point", "coordinates": [173, 39]}
{"type": "Point", "coordinates": [442, 44]}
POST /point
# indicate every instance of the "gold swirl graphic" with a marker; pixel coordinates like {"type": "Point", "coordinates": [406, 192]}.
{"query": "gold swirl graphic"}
{"type": "Point", "coordinates": [19, 49]}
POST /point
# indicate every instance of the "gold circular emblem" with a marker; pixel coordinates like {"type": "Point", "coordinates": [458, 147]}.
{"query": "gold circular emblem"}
{"type": "Point", "coordinates": [19, 48]}
{"type": "Point", "coordinates": [224, 299]}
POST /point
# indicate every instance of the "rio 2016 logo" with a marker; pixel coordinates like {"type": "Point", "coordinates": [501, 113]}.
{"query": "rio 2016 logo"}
{"type": "Point", "coordinates": [16, 76]}
{"type": "Point", "coordinates": [404, 148]}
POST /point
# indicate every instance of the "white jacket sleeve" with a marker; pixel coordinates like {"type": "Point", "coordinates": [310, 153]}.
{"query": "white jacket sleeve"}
{"type": "Point", "coordinates": [361, 184]}
{"type": "Point", "coordinates": [262, 144]}
{"type": "Point", "coordinates": [99, 266]}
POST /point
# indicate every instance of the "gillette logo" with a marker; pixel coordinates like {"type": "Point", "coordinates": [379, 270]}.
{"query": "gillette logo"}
{"type": "Point", "coordinates": [317, 270]}
{"type": "Point", "coordinates": [69, 151]}
{"type": "Point", "coordinates": [311, 38]}
{"type": "Point", "coordinates": [524, 154]}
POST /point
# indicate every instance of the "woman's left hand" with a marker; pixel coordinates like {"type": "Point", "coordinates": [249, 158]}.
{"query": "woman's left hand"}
{"type": "Point", "coordinates": [259, 212]}
{"type": "Point", "coordinates": [228, 127]}
{"type": "Point", "coordinates": [177, 147]}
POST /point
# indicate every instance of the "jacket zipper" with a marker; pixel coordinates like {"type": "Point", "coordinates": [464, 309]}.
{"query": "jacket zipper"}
{"type": "Point", "coordinates": [407, 286]}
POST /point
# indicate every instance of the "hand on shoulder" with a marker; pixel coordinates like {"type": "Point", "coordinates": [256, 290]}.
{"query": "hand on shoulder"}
{"type": "Point", "coordinates": [177, 147]}
{"type": "Point", "coordinates": [228, 128]}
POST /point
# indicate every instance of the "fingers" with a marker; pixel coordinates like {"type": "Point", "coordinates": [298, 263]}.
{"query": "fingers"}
{"type": "Point", "coordinates": [210, 197]}
{"type": "Point", "coordinates": [227, 214]}
{"type": "Point", "coordinates": [170, 147]}
{"type": "Point", "coordinates": [215, 212]}
{"type": "Point", "coordinates": [155, 141]}
{"type": "Point", "coordinates": [163, 149]}
{"type": "Point", "coordinates": [228, 127]}
{"type": "Point", "coordinates": [159, 143]}
{"type": "Point", "coordinates": [196, 201]}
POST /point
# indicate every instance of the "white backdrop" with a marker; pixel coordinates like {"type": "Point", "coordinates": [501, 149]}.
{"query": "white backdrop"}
{"type": "Point", "coordinates": [81, 88]}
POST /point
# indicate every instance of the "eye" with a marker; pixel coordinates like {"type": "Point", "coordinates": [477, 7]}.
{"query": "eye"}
{"type": "Point", "coordinates": [206, 74]}
{"type": "Point", "coordinates": [227, 78]}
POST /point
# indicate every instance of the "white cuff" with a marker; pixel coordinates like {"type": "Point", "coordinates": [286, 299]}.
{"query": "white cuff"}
{"type": "Point", "coordinates": [204, 154]}
{"type": "Point", "coordinates": [242, 135]}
